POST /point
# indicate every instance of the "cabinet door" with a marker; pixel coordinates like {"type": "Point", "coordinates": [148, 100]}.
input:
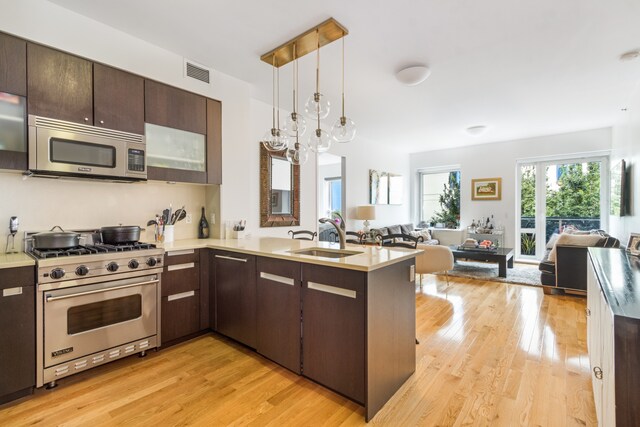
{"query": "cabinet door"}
{"type": "Point", "coordinates": [175, 108]}
{"type": "Point", "coordinates": [118, 99]}
{"type": "Point", "coordinates": [333, 316]}
{"type": "Point", "coordinates": [235, 285]}
{"type": "Point", "coordinates": [278, 312]}
{"type": "Point", "coordinates": [214, 142]}
{"type": "Point", "coordinates": [180, 315]}
{"type": "Point", "coordinates": [608, 404]}
{"type": "Point", "coordinates": [59, 85]}
{"type": "Point", "coordinates": [17, 333]}
{"type": "Point", "coordinates": [13, 65]}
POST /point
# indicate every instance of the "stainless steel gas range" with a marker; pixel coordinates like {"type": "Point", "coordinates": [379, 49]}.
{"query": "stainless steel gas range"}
{"type": "Point", "coordinates": [95, 303]}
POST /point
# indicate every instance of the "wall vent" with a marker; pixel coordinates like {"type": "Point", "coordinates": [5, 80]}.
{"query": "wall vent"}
{"type": "Point", "coordinates": [197, 71]}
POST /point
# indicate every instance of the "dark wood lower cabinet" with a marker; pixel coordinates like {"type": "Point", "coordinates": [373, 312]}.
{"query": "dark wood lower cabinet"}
{"type": "Point", "coordinates": [279, 312]}
{"type": "Point", "coordinates": [180, 315]}
{"type": "Point", "coordinates": [17, 333]}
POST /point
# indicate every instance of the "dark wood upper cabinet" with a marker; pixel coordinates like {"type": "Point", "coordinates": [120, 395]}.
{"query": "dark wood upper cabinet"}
{"type": "Point", "coordinates": [175, 108]}
{"type": "Point", "coordinates": [118, 99]}
{"type": "Point", "coordinates": [59, 85]}
{"type": "Point", "coordinates": [13, 65]}
{"type": "Point", "coordinates": [214, 142]}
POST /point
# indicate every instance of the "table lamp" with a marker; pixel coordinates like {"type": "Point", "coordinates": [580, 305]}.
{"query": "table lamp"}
{"type": "Point", "coordinates": [366, 212]}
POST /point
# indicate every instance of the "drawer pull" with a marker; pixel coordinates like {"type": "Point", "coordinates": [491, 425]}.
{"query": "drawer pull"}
{"type": "Point", "coordinates": [9, 292]}
{"type": "Point", "coordinates": [230, 258]}
{"type": "Point", "coordinates": [597, 371]}
{"type": "Point", "coordinates": [181, 295]}
{"type": "Point", "coordinates": [332, 290]}
{"type": "Point", "coordinates": [587, 311]}
{"type": "Point", "coordinates": [275, 278]}
{"type": "Point", "coordinates": [181, 266]}
{"type": "Point", "coordinates": [182, 252]}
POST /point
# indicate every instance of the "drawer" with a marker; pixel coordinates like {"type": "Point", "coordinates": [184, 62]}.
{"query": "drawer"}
{"type": "Point", "coordinates": [17, 277]}
{"type": "Point", "coordinates": [179, 278]}
{"type": "Point", "coordinates": [181, 256]}
{"type": "Point", "coordinates": [180, 315]}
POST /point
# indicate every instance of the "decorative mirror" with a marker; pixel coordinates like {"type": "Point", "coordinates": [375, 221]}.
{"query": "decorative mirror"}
{"type": "Point", "coordinates": [279, 190]}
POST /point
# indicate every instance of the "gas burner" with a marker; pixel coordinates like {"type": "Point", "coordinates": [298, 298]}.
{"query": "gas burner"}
{"type": "Point", "coordinates": [97, 248]}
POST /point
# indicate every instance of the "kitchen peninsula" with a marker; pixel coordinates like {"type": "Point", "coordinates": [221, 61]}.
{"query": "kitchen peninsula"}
{"type": "Point", "coordinates": [347, 322]}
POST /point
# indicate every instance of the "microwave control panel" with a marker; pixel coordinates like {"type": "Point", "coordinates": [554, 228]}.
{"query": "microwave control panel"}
{"type": "Point", "coordinates": [136, 160]}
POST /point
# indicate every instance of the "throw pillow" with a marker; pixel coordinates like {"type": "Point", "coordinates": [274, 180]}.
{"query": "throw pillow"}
{"type": "Point", "coordinates": [573, 240]}
{"type": "Point", "coordinates": [406, 228]}
{"type": "Point", "coordinates": [552, 240]}
{"type": "Point", "coordinates": [395, 229]}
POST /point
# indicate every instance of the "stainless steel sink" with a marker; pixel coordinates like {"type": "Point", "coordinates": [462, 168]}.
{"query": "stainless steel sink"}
{"type": "Point", "coordinates": [326, 252]}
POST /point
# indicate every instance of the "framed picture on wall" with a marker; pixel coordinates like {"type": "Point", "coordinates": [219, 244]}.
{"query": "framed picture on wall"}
{"type": "Point", "coordinates": [486, 189]}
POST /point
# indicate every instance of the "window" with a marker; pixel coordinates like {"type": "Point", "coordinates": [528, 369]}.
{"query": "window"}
{"type": "Point", "coordinates": [440, 198]}
{"type": "Point", "coordinates": [333, 192]}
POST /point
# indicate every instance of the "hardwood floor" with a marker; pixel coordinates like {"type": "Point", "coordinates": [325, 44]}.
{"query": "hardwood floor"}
{"type": "Point", "coordinates": [490, 354]}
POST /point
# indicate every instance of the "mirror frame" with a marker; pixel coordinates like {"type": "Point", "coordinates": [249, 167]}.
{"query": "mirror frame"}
{"type": "Point", "coordinates": [267, 218]}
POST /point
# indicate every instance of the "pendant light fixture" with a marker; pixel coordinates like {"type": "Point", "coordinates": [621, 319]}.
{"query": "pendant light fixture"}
{"type": "Point", "coordinates": [319, 140]}
{"type": "Point", "coordinates": [344, 129]}
{"type": "Point", "coordinates": [297, 153]}
{"type": "Point", "coordinates": [275, 138]}
{"type": "Point", "coordinates": [296, 124]}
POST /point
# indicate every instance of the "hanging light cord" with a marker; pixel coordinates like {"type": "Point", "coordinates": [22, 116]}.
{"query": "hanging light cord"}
{"type": "Point", "coordinates": [318, 81]}
{"type": "Point", "coordinates": [278, 96]}
{"type": "Point", "coordinates": [295, 80]}
{"type": "Point", "coordinates": [343, 75]}
{"type": "Point", "coordinates": [273, 85]}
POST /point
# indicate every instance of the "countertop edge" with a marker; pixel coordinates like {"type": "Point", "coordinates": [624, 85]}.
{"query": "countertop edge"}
{"type": "Point", "coordinates": [16, 260]}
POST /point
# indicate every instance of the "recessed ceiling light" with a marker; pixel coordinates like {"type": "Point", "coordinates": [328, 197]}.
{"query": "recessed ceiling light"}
{"type": "Point", "coordinates": [476, 130]}
{"type": "Point", "coordinates": [630, 56]}
{"type": "Point", "coordinates": [414, 75]}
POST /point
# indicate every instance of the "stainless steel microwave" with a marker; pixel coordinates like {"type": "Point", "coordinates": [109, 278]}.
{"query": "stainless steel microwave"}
{"type": "Point", "coordinates": [60, 148]}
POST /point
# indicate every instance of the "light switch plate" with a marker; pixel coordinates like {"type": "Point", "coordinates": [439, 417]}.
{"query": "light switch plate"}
{"type": "Point", "coordinates": [412, 273]}
{"type": "Point", "coordinates": [188, 219]}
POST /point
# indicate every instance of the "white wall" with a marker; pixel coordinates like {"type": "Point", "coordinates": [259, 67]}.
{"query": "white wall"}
{"type": "Point", "coordinates": [626, 145]}
{"type": "Point", "coordinates": [499, 160]}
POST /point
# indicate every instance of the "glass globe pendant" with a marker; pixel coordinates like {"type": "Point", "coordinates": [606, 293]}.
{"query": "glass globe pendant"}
{"type": "Point", "coordinates": [344, 129]}
{"type": "Point", "coordinates": [297, 154]}
{"type": "Point", "coordinates": [317, 104]}
{"type": "Point", "coordinates": [295, 124]}
{"type": "Point", "coordinates": [319, 140]}
{"type": "Point", "coordinates": [275, 139]}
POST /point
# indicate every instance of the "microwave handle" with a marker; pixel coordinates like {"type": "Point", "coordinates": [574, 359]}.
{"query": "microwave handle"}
{"type": "Point", "coordinates": [97, 291]}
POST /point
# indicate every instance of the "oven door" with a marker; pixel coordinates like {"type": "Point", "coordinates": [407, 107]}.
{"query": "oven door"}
{"type": "Point", "coordinates": [87, 319]}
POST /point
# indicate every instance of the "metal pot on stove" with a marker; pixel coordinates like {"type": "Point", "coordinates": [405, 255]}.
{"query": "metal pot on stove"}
{"type": "Point", "coordinates": [120, 234]}
{"type": "Point", "coordinates": [56, 239]}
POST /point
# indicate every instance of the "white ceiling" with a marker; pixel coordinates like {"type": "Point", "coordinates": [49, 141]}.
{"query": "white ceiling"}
{"type": "Point", "coordinates": [523, 68]}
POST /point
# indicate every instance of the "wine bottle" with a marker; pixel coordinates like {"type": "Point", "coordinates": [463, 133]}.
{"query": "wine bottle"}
{"type": "Point", "coordinates": [203, 226]}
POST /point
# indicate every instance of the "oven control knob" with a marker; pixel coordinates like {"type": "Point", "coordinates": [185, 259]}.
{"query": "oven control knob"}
{"type": "Point", "coordinates": [57, 273]}
{"type": "Point", "coordinates": [112, 266]}
{"type": "Point", "coordinates": [151, 262]}
{"type": "Point", "coordinates": [133, 263]}
{"type": "Point", "coordinates": [83, 270]}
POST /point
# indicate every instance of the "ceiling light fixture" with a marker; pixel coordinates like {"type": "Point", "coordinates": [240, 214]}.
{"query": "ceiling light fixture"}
{"type": "Point", "coordinates": [476, 130]}
{"type": "Point", "coordinates": [630, 56]}
{"type": "Point", "coordinates": [317, 105]}
{"type": "Point", "coordinates": [275, 139]}
{"type": "Point", "coordinates": [414, 75]}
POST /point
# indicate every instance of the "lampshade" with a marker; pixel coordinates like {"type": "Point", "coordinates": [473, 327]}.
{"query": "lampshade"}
{"type": "Point", "coordinates": [366, 212]}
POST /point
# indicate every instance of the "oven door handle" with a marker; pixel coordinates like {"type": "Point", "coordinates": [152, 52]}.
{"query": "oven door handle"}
{"type": "Point", "coordinates": [50, 298]}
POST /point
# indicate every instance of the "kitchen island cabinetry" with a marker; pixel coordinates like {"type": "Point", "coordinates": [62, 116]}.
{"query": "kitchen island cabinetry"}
{"type": "Point", "coordinates": [180, 295]}
{"type": "Point", "coordinates": [278, 311]}
{"type": "Point", "coordinates": [17, 332]}
{"type": "Point", "coordinates": [235, 296]}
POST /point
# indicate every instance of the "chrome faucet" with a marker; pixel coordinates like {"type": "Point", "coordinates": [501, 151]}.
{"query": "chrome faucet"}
{"type": "Point", "coordinates": [341, 235]}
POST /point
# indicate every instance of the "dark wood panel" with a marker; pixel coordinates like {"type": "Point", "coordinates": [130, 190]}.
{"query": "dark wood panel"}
{"type": "Point", "coordinates": [13, 160]}
{"type": "Point", "coordinates": [118, 99]}
{"type": "Point", "coordinates": [17, 334]}
{"type": "Point", "coordinates": [180, 317]}
{"type": "Point", "coordinates": [181, 257]}
{"type": "Point", "coordinates": [59, 85]}
{"type": "Point", "coordinates": [333, 344]}
{"type": "Point", "coordinates": [205, 256]}
{"type": "Point", "coordinates": [391, 333]}
{"type": "Point", "coordinates": [175, 108]}
{"type": "Point", "coordinates": [627, 378]}
{"type": "Point", "coordinates": [212, 292]}
{"type": "Point", "coordinates": [278, 313]}
{"type": "Point", "coordinates": [214, 142]}
{"type": "Point", "coordinates": [176, 175]}
{"type": "Point", "coordinates": [183, 280]}
{"type": "Point", "coordinates": [236, 296]}
{"type": "Point", "coordinates": [13, 65]}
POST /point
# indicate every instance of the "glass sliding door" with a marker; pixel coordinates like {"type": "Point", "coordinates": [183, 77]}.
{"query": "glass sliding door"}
{"type": "Point", "coordinates": [556, 195]}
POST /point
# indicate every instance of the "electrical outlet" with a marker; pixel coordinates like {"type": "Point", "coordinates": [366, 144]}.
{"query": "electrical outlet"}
{"type": "Point", "coordinates": [412, 273]}
{"type": "Point", "coordinates": [188, 219]}
{"type": "Point", "coordinates": [213, 219]}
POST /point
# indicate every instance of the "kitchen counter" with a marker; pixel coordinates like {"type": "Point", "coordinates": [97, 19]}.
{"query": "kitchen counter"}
{"type": "Point", "coordinates": [371, 258]}
{"type": "Point", "coordinates": [16, 260]}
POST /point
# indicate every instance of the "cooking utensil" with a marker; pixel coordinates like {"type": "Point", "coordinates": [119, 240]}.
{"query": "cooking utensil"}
{"type": "Point", "coordinates": [178, 215]}
{"type": "Point", "coordinates": [151, 222]}
{"type": "Point", "coordinates": [120, 234]}
{"type": "Point", "coordinates": [56, 239]}
{"type": "Point", "coordinates": [166, 216]}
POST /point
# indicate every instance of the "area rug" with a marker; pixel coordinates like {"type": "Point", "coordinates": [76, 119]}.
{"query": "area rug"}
{"type": "Point", "coordinates": [520, 273]}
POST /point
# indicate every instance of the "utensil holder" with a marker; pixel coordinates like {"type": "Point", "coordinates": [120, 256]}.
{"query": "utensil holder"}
{"type": "Point", "coordinates": [234, 234]}
{"type": "Point", "coordinates": [168, 233]}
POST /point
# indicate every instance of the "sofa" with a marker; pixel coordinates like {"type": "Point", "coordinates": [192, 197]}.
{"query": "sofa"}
{"type": "Point", "coordinates": [405, 229]}
{"type": "Point", "coordinates": [564, 265]}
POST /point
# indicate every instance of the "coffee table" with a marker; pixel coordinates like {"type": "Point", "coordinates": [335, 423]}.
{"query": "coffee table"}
{"type": "Point", "coordinates": [503, 256]}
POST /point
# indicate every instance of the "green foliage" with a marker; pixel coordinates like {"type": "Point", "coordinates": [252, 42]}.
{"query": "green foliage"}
{"type": "Point", "coordinates": [449, 201]}
{"type": "Point", "coordinates": [578, 195]}
{"type": "Point", "coordinates": [528, 191]}
{"type": "Point", "coordinates": [528, 244]}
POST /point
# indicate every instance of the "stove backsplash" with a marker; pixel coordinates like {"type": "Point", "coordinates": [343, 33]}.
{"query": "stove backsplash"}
{"type": "Point", "coordinates": [41, 203]}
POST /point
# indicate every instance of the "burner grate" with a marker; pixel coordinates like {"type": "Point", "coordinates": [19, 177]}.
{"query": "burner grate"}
{"type": "Point", "coordinates": [97, 248]}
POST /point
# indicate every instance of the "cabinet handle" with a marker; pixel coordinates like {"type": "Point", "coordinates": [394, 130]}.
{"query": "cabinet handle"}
{"type": "Point", "coordinates": [331, 290]}
{"type": "Point", "coordinates": [86, 119]}
{"type": "Point", "coordinates": [181, 295]}
{"type": "Point", "coordinates": [587, 311]}
{"type": "Point", "coordinates": [101, 122]}
{"type": "Point", "coordinates": [9, 292]}
{"type": "Point", "coordinates": [276, 278]}
{"type": "Point", "coordinates": [230, 258]}
{"type": "Point", "coordinates": [182, 252]}
{"type": "Point", "coordinates": [181, 266]}
{"type": "Point", "coordinates": [597, 372]}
